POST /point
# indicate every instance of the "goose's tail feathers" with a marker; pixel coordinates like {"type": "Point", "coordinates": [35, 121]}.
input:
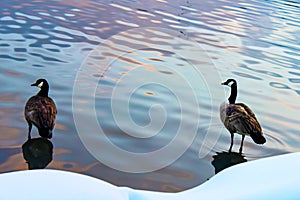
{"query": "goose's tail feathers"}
{"type": "Point", "coordinates": [45, 132]}
{"type": "Point", "coordinates": [257, 137]}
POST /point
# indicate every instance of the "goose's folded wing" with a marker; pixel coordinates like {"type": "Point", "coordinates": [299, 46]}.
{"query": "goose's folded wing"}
{"type": "Point", "coordinates": [247, 124]}
{"type": "Point", "coordinates": [41, 111]}
{"type": "Point", "coordinates": [48, 114]}
{"type": "Point", "coordinates": [242, 119]}
{"type": "Point", "coordinates": [247, 109]}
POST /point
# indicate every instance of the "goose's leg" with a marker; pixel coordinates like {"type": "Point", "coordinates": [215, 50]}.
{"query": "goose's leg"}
{"type": "Point", "coordinates": [231, 142]}
{"type": "Point", "coordinates": [242, 143]}
{"type": "Point", "coordinates": [29, 130]}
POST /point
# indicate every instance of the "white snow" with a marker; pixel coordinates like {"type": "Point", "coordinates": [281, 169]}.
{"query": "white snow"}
{"type": "Point", "coordinates": [276, 177]}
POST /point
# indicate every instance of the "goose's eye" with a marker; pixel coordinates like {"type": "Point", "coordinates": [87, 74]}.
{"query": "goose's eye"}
{"type": "Point", "coordinates": [41, 84]}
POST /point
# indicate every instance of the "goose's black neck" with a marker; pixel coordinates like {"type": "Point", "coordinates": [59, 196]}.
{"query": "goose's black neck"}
{"type": "Point", "coordinates": [233, 93]}
{"type": "Point", "coordinates": [44, 90]}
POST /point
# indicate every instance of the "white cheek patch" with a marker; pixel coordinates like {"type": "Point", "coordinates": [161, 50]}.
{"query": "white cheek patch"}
{"type": "Point", "coordinates": [41, 84]}
{"type": "Point", "coordinates": [230, 83]}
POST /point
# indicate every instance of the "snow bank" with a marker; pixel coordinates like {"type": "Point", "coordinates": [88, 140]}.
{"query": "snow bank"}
{"type": "Point", "coordinates": [269, 178]}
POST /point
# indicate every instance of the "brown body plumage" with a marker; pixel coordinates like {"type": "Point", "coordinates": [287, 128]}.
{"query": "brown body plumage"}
{"type": "Point", "coordinates": [40, 110]}
{"type": "Point", "coordinates": [239, 118]}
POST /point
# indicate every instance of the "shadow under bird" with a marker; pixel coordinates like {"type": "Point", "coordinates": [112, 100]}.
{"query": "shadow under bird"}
{"type": "Point", "coordinates": [38, 152]}
{"type": "Point", "coordinates": [40, 110]}
{"type": "Point", "coordinates": [239, 118]}
{"type": "Point", "coordinates": [223, 160]}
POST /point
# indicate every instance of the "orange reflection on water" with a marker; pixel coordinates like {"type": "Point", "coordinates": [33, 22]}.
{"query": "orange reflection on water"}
{"type": "Point", "coordinates": [61, 127]}
{"type": "Point", "coordinates": [13, 73]}
{"type": "Point", "coordinates": [70, 166]}
{"type": "Point", "coordinates": [149, 93]}
{"type": "Point", "coordinates": [169, 179]}
{"type": "Point", "coordinates": [13, 163]}
{"type": "Point", "coordinates": [9, 133]}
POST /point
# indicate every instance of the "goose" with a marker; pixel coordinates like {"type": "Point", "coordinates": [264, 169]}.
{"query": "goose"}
{"type": "Point", "coordinates": [40, 110]}
{"type": "Point", "coordinates": [239, 118]}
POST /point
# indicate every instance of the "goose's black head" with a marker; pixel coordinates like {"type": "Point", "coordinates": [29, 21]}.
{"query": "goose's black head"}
{"type": "Point", "coordinates": [43, 84]}
{"type": "Point", "coordinates": [230, 82]}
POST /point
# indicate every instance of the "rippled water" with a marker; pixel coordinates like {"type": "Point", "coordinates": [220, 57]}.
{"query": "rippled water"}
{"type": "Point", "coordinates": [149, 72]}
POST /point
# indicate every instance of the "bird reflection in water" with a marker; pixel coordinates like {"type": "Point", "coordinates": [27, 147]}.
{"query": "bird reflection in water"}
{"type": "Point", "coordinates": [224, 159]}
{"type": "Point", "coordinates": [37, 152]}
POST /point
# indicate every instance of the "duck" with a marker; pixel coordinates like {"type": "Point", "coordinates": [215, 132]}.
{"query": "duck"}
{"type": "Point", "coordinates": [40, 111]}
{"type": "Point", "coordinates": [239, 118]}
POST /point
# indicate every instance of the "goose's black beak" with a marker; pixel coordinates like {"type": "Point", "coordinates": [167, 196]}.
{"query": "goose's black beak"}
{"type": "Point", "coordinates": [33, 84]}
{"type": "Point", "coordinates": [223, 83]}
